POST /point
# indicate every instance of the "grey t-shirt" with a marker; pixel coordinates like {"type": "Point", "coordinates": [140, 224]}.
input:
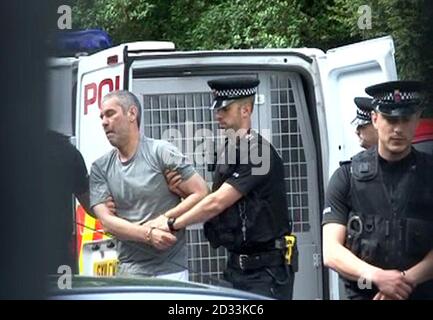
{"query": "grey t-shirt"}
{"type": "Point", "coordinates": [140, 191]}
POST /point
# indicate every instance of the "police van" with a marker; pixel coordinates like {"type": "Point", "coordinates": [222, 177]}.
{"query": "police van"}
{"type": "Point", "coordinates": [304, 106]}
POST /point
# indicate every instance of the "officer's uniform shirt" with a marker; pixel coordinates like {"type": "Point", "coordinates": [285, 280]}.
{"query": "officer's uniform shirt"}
{"type": "Point", "coordinates": [269, 186]}
{"type": "Point", "coordinates": [242, 179]}
{"type": "Point", "coordinates": [337, 199]}
{"type": "Point", "coordinates": [265, 193]}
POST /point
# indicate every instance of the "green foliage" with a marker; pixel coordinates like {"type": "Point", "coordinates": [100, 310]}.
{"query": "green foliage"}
{"type": "Point", "coordinates": [399, 18]}
{"type": "Point", "coordinates": [239, 24]}
{"type": "Point", "coordinates": [409, 23]}
{"type": "Point", "coordinates": [249, 24]}
{"type": "Point", "coordinates": [124, 20]}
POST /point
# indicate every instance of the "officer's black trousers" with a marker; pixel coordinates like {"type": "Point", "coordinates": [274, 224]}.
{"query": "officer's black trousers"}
{"type": "Point", "coordinates": [274, 282]}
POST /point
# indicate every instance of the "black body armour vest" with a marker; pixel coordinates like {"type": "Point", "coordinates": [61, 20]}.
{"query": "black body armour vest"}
{"type": "Point", "coordinates": [249, 225]}
{"type": "Point", "coordinates": [375, 232]}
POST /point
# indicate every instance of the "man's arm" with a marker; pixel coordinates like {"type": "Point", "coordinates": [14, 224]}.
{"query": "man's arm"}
{"type": "Point", "coordinates": [419, 273]}
{"type": "Point", "coordinates": [194, 189]}
{"type": "Point", "coordinates": [209, 207]}
{"type": "Point", "coordinates": [84, 199]}
{"type": "Point", "coordinates": [422, 271]}
{"type": "Point", "coordinates": [126, 230]}
{"type": "Point", "coordinates": [336, 256]}
{"type": "Point", "coordinates": [234, 188]}
{"type": "Point", "coordinates": [174, 179]}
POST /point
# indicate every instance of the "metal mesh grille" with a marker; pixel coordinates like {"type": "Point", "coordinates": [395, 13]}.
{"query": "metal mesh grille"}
{"type": "Point", "coordinates": [188, 113]}
{"type": "Point", "coordinates": [205, 263]}
{"type": "Point", "coordinates": [287, 139]}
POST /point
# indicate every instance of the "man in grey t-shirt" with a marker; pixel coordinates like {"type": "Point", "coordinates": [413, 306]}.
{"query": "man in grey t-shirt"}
{"type": "Point", "coordinates": [133, 174]}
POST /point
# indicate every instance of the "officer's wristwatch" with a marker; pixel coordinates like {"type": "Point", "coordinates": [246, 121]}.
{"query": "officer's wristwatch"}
{"type": "Point", "coordinates": [170, 224]}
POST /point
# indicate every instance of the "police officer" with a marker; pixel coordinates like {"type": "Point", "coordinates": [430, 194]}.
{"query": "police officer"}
{"type": "Point", "coordinates": [378, 221]}
{"type": "Point", "coordinates": [364, 128]}
{"type": "Point", "coordinates": [67, 176]}
{"type": "Point", "coordinates": [247, 211]}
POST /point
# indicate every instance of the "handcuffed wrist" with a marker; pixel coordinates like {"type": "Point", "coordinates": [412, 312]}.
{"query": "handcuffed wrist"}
{"type": "Point", "coordinates": [149, 234]}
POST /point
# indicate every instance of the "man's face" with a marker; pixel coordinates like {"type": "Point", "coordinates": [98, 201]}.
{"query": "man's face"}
{"type": "Point", "coordinates": [229, 117]}
{"type": "Point", "coordinates": [367, 135]}
{"type": "Point", "coordinates": [395, 134]}
{"type": "Point", "coordinates": [115, 122]}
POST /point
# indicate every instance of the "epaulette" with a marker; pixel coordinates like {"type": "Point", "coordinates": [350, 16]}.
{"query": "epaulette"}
{"type": "Point", "coordinates": [345, 162]}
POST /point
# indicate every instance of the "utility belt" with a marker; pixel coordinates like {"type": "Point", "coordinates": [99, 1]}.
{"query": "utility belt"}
{"type": "Point", "coordinates": [247, 262]}
{"type": "Point", "coordinates": [284, 252]}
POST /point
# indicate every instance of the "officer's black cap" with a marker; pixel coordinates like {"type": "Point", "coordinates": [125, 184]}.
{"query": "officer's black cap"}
{"type": "Point", "coordinates": [396, 98]}
{"type": "Point", "coordinates": [363, 111]}
{"type": "Point", "coordinates": [227, 90]}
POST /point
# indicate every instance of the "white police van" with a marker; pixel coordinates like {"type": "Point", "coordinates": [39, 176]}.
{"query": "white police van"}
{"type": "Point", "coordinates": [304, 106]}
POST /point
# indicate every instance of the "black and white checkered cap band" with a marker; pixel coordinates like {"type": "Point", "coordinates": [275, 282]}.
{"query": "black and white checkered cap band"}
{"type": "Point", "coordinates": [363, 115]}
{"type": "Point", "coordinates": [234, 92]}
{"type": "Point", "coordinates": [391, 96]}
{"type": "Point", "coordinates": [362, 118]}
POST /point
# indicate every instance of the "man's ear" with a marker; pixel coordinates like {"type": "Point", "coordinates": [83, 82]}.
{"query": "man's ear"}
{"type": "Point", "coordinates": [246, 109]}
{"type": "Point", "coordinates": [132, 113]}
{"type": "Point", "coordinates": [374, 116]}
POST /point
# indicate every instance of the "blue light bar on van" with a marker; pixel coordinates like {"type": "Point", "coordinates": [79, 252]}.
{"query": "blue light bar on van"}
{"type": "Point", "coordinates": [89, 40]}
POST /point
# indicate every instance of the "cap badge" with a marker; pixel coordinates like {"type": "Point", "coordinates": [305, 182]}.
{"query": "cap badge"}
{"type": "Point", "coordinates": [397, 96]}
